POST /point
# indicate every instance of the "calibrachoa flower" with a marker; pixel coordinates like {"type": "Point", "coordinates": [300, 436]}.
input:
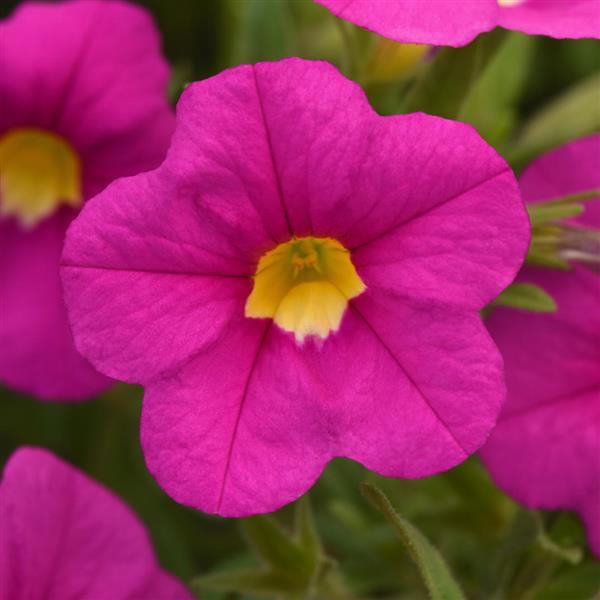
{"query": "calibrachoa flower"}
{"type": "Point", "coordinates": [82, 91]}
{"type": "Point", "coordinates": [299, 280]}
{"type": "Point", "coordinates": [458, 22]}
{"type": "Point", "coordinates": [65, 537]}
{"type": "Point", "coordinates": [545, 451]}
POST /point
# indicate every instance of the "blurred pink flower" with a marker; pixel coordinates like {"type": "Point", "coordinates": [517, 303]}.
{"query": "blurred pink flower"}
{"type": "Point", "coordinates": [65, 537]}
{"type": "Point", "coordinates": [83, 97]}
{"type": "Point", "coordinates": [545, 451]}
{"type": "Point", "coordinates": [456, 22]}
{"type": "Point", "coordinates": [372, 242]}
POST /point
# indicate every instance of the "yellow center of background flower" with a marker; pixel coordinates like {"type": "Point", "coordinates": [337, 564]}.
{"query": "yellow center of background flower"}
{"type": "Point", "coordinates": [38, 171]}
{"type": "Point", "coordinates": [304, 285]}
{"type": "Point", "coordinates": [392, 61]}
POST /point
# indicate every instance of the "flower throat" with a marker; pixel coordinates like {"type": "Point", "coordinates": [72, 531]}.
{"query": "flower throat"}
{"type": "Point", "coordinates": [39, 171]}
{"type": "Point", "coordinates": [304, 285]}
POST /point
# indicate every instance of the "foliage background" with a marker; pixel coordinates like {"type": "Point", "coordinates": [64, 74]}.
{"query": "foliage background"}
{"type": "Point", "coordinates": [525, 95]}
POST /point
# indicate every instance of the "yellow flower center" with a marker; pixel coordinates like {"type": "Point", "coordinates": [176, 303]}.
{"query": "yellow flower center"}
{"type": "Point", "coordinates": [304, 285]}
{"type": "Point", "coordinates": [510, 2]}
{"type": "Point", "coordinates": [38, 171]}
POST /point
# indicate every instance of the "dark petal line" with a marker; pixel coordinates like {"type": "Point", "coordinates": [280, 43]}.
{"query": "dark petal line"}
{"type": "Point", "coordinates": [156, 272]}
{"type": "Point", "coordinates": [409, 377]}
{"type": "Point", "coordinates": [568, 397]}
{"type": "Point", "coordinates": [259, 348]}
{"type": "Point", "coordinates": [416, 216]}
{"type": "Point", "coordinates": [74, 72]}
{"type": "Point", "coordinates": [272, 153]}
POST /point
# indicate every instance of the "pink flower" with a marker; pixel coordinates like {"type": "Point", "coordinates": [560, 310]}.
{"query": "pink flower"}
{"type": "Point", "coordinates": [545, 451]}
{"type": "Point", "coordinates": [299, 280]}
{"type": "Point", "coordinates": [458, 22]}
{"type": "Point", "coordinates": [64, 537]}
{"type": "Point", "coordinates": [82, 91]}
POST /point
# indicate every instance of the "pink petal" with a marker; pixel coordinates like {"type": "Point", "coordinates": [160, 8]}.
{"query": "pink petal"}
{"type": "Point", "coordinates": [551, 421]}
{"type": "Point", "coordinates": [191, 239]}
{"type": "Point", "coordinates": [555, 18]}
{"type": "Point", "coordinates": [316, 156]}
{"type": "Point", "coordinates": [85, 542]}
{"type": "Point", "coordinates": [147, 293]}
{"type": "Point", "coordinates": [550, 176]}
{"type": "Point", "coordinates": [437, 22]}
{"type": "Point", "coordinates": [222, 146]}
{"type": "Point", "coordinates": [534, 344]}
{"type": "Point", "coordinates": [252, 434]}
{"type": "Point", "coordinates": [37, 353]}
{"type": "Point", "coordinates": [438, 415]}
{"type": "Point", "coordinates": [452, 226]}
{"type": "Point", "coordinates": [458, 22]}
{"type": "Point", "coordinates": [160, 322]}
{"type": "Point", "coordinates": [555, 445]}
{"type": "Point", "coordinates": [340, 181]}
{"type": "Point", "coordinates": [245, 434]}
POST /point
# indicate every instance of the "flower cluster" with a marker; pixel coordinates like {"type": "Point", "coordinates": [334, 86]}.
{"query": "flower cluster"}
{"type": "Point", "coordinates": [290, 276]}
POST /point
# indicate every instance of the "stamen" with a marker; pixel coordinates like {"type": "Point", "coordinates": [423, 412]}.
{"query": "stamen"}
{"type": "Point", "coordinates": [581, 245]}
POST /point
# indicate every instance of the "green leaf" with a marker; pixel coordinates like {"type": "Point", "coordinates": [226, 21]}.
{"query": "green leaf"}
{"type": "Point", "coordinates": [547, 213]}
{"type": "Point", "coordinates": [295, 564]}
{"type": "Point", "coordinates": [556, 209]}
{"type": "Point", "coordinates": [543, 259]}
{"type": "Point", "coordinates": [274, 545]}
{"type": "Point", "coordinates": [298, 554]}
{"type": "Point", "coordinates": [434, 571]}
{"type": "Point", "coordinates": [526, 296]}
{"type": "Point", "coordinates": [574, 114]}
{"type": "Point", "coordinates": [269, 583]}
{"type": "Point", "coordinates": [490, 105]}
{"type": "Point", "coordinates": [446, 81]}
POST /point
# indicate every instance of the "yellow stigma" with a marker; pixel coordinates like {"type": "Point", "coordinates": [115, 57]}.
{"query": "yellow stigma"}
{"type": "Point", "coordinates": [304, 285]}
{"type": "Point", "coordinates": [38, 171]}
{"type": "Point", "coordinates": [510, 2]}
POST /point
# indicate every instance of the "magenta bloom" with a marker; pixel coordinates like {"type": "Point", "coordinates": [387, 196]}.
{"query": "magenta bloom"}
{"type": "Point", "coordinates": [82, 97]}
{"type": "Point", "coordinates": [65, 537]}
{"type": "Point", "coordinates": [458, 22]}
{"type": "Point", "coordinates": [545, 451]}
{"type": "Point", "coordinates": [299, 280]}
